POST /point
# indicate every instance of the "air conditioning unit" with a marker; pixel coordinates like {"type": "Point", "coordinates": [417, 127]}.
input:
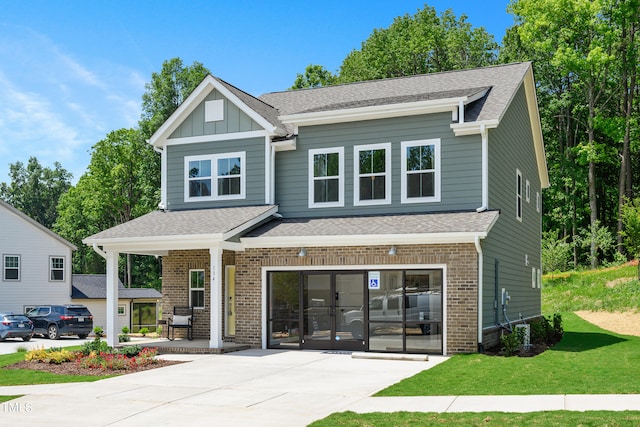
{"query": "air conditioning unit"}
{"type": "Point", "coordinates": [525, 330]}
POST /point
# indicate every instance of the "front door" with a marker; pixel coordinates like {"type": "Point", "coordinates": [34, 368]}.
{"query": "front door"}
{"type": "Point", "coordinates": [331, 301]}
{"type": "Point", "coordinates": [230, 306]}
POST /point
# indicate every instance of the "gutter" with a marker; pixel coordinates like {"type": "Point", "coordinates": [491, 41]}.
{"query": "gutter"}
{"type": "Point", "coordinates": [99, 251]}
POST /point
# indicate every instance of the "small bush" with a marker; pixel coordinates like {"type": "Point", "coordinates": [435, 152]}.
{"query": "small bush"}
{"type": "Point", "coordinates": [97, 346]}
{"type": "Point", "coordinates": [53, 355]}
{"type": "Point", "coordinates": [144, 331]}
{"type": "Point", "coordinates": [130, 350]}
{"type": "Point", "coordinates": [512, 342]}
{"type": "Point", "coordinates": [98, 331]}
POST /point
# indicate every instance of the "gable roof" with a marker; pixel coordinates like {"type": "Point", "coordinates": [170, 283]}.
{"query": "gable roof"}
{"type": "Point", "coordinates": [94, 286]}
{"type": "Point", "coordinates": [35, 224]}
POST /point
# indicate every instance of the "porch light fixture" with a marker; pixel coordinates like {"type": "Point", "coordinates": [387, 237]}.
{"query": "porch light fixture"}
{"type": "Point", "coordinates": [392, 250]}
{"type": "Point", "coordinates": [303, 252]}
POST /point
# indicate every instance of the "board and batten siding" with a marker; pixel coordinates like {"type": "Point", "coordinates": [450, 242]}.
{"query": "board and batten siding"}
{"type": "Point", "coordinates": [34, 246]}
{"type": "Point", "coordinates": [460, 165]}
{"type": "Point", "coordinates": [235, 120]}
{"type": "Point", "coordinates": [254, 172]}
{"type": "Point", "coordinates": [515, 244]}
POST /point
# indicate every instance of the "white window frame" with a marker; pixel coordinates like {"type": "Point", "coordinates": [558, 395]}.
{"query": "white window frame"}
{"type": "Point", "coordinates": [519, 204]}
{"type": "Point", "coordinates": [213, 158]}
{"type": "Point", "coordinates": [534, 277]}
{"type": "Point", "coordinates": [4, 267]}
{"type": "Point", "coordinates": [528, 191]}
{"type": "Point", "coordinates": [312, 178]}
{"type": "Point", "coordinates": [122, 310]}
{"type": "Point", "coordinates": [198, 289]}
{"type": "Point", "coordinates": [539, 279]}
{"type": "Point", "coordinates": [538, 201]}
{"type": "Point", "coordinates": [387, 174]}
{"type": "Point", "coordinates": [52, 269]}
{"type": "Point", "coordinates": [436, 176]}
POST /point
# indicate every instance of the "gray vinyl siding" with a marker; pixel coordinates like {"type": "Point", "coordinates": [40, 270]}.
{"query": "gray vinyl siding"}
{"type": "Point", "coordinates": [460, 165]}
{"type": "Point", "coordinates": [235, 120]}
{"type": "Point", "coordinates": [254, 172]}
{"type": "Point", "coordinates": [511, 241]}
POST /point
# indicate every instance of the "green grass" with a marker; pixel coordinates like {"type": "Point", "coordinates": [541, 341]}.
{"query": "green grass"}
{"type": "Point", "coordinates": [531, 419]}
{"type": "Point", "coordinates": [9, 377]}
{"type": "Point", "coordinates": [588, 360]}
{"type": "Point", "coordinates": [587, 290]}
{"type": "Point", "coordinates": [8, 398]}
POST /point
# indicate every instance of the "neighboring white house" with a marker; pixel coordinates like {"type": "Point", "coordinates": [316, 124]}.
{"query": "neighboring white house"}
{"type": "Point", "coordinates": [137, 307]}
{"type": "Point", "coordinates": [36, 263]}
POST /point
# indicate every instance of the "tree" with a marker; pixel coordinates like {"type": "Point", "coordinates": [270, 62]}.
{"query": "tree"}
{"type": "Point", "coordinates": [35, 190]}
{"type": "Point", "coordinates": [418, 44]}
{"type": "Point", "coordinates": [314, 76]}
{"type": "Point", "coordinates": [556, 252]}
{"type": "Point", "coordinates": [631, 231]}
{"type": "Point", "coordinates": [166, 91]}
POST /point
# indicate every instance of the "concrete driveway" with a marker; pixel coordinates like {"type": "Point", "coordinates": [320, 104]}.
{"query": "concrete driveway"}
{"type": "Point", "coordinates": [11, 345]}
{"type": "Point", "coordinates": [252, 387]}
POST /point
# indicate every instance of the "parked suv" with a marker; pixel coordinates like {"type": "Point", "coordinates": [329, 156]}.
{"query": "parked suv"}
{"type": "Point", "coordinates": [53, 321]}
{"type": "Point", "coordinates": [15, 326]}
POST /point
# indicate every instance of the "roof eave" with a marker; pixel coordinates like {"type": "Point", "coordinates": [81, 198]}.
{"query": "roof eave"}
{"type": "Point", "coordinates": [361, 240]}
{"type": "Point", "coordinates": [374, 112]}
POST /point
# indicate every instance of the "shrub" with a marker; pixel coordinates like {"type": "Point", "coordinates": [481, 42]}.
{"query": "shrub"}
{"type": "Point", "coordinates": [98, 331]}
{"type": "Point", "coordinates": [144, 331]}
{"type": "Point", "coordinates": [124, 336]}
{"type": "Point", "coordinates": [512, 342]}
{"type": "Point", "coordinates": [130, 350]}
{"type": "Point", "coordinates": [97, 346]}
{"type": "Point", "coordinates": [53, 355]}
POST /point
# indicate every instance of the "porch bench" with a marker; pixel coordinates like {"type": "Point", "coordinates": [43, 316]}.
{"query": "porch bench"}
{"type": "Point", "coordinates": [182, 318]}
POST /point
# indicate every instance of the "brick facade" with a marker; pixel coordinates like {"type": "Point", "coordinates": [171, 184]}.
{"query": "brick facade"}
{"type": "Point", "coordinates": [461, 282]}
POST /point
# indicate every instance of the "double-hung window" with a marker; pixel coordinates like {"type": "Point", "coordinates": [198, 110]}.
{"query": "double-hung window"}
{"type": "Point", "coordinates": [215, 177]}
{"type": "Point", "coordinates": [196, 288]}
{"type": "Point", "coordinates": [326, 177]}
{"type": "Point", "coordinates": [11, 265]}
{"type": "Point", "coordinates": [56, 268]}
{"type": "Point", "coordinates": [420, 171]}
{"type": "Point", "coordinates": [372, 177]}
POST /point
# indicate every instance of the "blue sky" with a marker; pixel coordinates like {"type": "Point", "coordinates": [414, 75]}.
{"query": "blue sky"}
{"type": "Point", "coordinates": [72, 71]}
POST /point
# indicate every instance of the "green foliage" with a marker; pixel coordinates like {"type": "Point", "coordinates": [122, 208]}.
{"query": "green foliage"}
{"type": "Point", "coordinates": [120, 360]}
{"type": "Point", "coordinates": [314, 76]}
{"type": "Point", "coordinates": [612, 289]}
{"type": "Point", "coordinates": [631, 231]}
{"type": "Point", "coordinates": [418, 44]}
{"type": "Point", "coordinates": [512, 342]}
{"type": "Point", "coordinates": [130, 350]}
{"type": "Point", "coordinates": [556, 253]}
{"type": "Point", "coordinates": [36, 190]}
{"type": "Point", "coordinates": [98, 331]}
{"type": "Point", "coordinates": [95, 346]}
{"type": "Point", "coordinates": [596, 236]}
{"type": "Point", "coordinates": [144, 331]}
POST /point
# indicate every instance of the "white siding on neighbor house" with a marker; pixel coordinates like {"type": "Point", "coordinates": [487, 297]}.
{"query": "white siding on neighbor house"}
{"type": "Point", "coordinates": [98, 307]}
{"type": "Point", "coordinates": [34, 246]}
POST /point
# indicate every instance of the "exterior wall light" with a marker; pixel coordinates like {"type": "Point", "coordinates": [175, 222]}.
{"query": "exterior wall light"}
{"type": "Point", "coordinates": [392, 250]}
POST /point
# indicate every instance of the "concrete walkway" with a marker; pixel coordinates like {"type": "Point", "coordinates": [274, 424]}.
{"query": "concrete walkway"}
{"type": "Point", "coordinates": [261, 388]}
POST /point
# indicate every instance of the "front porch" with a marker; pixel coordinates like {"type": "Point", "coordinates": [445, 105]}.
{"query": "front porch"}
{"type": "Point", "coordinates": [185, 346]}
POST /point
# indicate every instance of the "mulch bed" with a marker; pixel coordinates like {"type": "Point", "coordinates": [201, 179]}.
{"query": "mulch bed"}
{"type": "Point", "coordinates": [72, 368]}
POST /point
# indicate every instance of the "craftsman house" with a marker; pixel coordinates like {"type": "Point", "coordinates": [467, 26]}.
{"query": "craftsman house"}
{"type": "Point", "coordinates": [396, 215]}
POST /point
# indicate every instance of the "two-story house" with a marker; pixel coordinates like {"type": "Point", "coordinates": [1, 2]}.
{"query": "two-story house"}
{"type": "Point", "coordinates": [397, 215]}
{"type": "Point", "coordinates": [36, 263]}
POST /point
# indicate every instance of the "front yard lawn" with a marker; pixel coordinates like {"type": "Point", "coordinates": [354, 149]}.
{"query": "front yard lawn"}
{"type": "Point", "coordinates": [588, 360]}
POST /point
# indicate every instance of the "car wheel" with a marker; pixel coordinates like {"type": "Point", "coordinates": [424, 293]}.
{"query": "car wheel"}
{"type": "Point", "coordinates": [53, 332]}
{"type": "Point", "coordinates": [26, 338]}
{"type": "Point", "coordinates": [357, 330]}
{"type": "Point", "coordinates": [82, 336]}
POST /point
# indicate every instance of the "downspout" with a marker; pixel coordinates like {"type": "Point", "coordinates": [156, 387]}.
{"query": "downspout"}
{"type": "Point", "coordinates": [485, 169]}
{"type": "Point", "coordinates": [99, 251]}
{"type": "Point", "coordinates": [480, 283]}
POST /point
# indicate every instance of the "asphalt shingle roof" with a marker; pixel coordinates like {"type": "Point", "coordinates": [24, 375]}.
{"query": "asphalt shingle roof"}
{"type": "Point", "coordinates": [94, 286]}
{"type": "Point", "coordinates": [457, 222]}
{"type": "Point", "coordinates": [503, 80]}
{"type": "Point", "coordinates": [184, 223]}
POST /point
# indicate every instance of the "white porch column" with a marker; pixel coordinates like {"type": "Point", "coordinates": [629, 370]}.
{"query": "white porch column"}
{"type": "Point", "coordinates": [215, 305]}
{"type": "Point", "coordinates": [112, 297]}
